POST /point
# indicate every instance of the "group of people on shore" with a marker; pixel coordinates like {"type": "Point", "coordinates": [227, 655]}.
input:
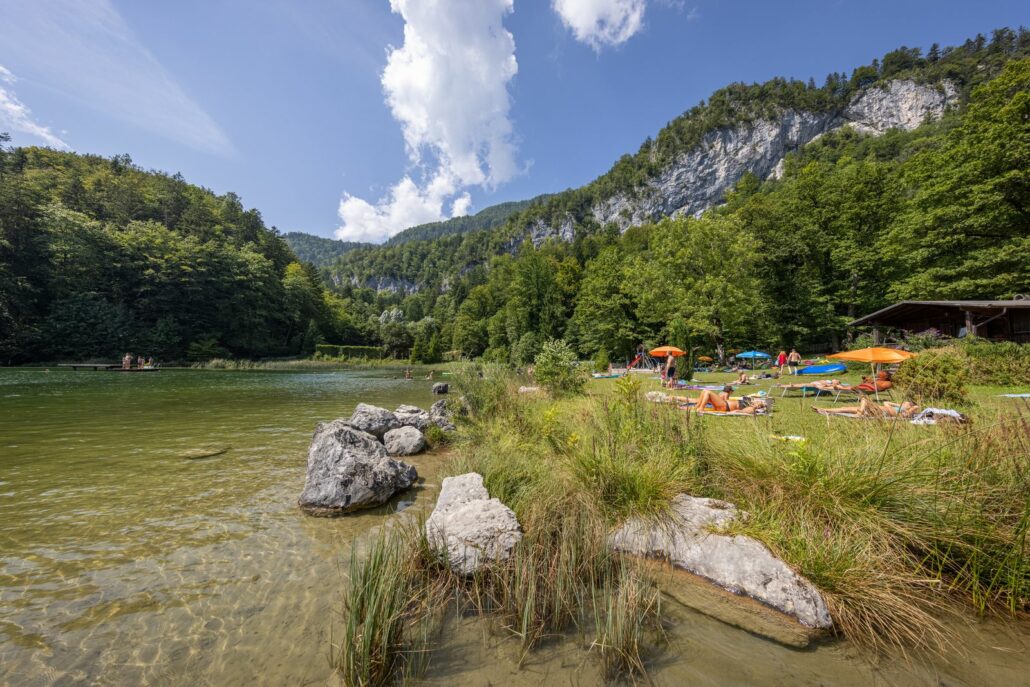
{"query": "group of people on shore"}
{"type": "Point", "coordinates": [141, 363]}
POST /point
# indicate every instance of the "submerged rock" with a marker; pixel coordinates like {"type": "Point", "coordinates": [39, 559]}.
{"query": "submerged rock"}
{"type": "Point", "coordinates": [472, 528]}
{"type": "Point", "coordinates": [404, 441]}
{"type": "Point", "coordinates": [737, 563]}
{"type": "Point", "coordinates": [349, 470]}
{"type": "Point", "coordinates": [440, 416]}
{"type": "Point", "coordinates": [413, 416]}
{"type": "Point", "coordinates": [373, 419]}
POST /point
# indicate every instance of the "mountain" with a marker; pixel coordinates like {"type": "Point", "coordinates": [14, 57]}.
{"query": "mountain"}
{"type": "Point", "coordinates": [318, 250]}
{"type": "Point", "coordinates": [836, 198]}
{"type": "Point", "coordinates": [488, 218]}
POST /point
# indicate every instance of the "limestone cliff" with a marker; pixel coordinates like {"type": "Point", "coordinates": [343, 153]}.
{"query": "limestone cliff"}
{"type": "Point", "coordinates": [700, 178]}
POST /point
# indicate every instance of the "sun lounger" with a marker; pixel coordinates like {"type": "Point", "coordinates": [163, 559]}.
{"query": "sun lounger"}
{"type": "Point", "coordinates": [804, 389]}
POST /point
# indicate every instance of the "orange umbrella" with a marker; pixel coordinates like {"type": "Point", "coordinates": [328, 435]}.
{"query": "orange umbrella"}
{"type": "Point", "coordinates": [663, 351]}
{"type": "Point", "coordinates": [705, 358]}
{"type": "Point", "coordinates": [874, 355]}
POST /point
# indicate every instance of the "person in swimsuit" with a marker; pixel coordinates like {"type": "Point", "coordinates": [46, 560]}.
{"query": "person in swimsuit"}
{"type": "Point", "coordinates": [793, 361]}
{"type": "Point", "coordinates": [866, 408]}
{"type": "Point", "coordinates": [722, 403]}
{"type": "Point", "coordinates": [781, 360]}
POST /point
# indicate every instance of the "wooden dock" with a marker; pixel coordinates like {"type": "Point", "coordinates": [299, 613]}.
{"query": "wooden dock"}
{"type": "Point", "coordinates": [107, 367]}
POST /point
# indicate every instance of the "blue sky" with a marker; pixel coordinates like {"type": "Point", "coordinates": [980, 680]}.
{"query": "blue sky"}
{"type": "Point", "coordinates": [361, 117]}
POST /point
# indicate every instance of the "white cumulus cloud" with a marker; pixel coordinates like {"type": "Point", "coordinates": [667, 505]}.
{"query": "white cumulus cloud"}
{"type": "Point", "coordinates": [601, 23]}
{"type": "Point", "coordinates": [16, 116]}
{"type": "Point", "coordinates": [447, 87]}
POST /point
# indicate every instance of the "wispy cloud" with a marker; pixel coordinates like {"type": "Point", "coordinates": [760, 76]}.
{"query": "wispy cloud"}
{"type": "Point", "coordinates": [447, 86]}
{"type": "Point", "coordinates": [85, 50]}
{"type": "Point", "coordinates": [16, 116]}
{"type": "Point", "coordinates": [601, 23]}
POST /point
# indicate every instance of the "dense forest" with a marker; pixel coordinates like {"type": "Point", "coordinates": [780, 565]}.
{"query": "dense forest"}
{"type": "Point", "coordinates": [854, 223]}
{"type": "Point", "coordinates": [487, 218]}
{"type": "Point", "coordinates": [317, 250]}
{"type": "Point", "coordinates": [98, 256]}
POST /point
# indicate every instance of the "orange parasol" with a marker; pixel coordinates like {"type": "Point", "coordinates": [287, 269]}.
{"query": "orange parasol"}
{"type": "Point", "coordinates": [873, 355]}
{"type": "Point", "coordinates": [705, 358]}
{"type": "Point", "coordinates": [663, 351]}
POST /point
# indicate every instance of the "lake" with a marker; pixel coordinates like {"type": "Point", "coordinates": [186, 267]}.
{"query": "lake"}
{"type": "Point", "coordinates": [126, 560]}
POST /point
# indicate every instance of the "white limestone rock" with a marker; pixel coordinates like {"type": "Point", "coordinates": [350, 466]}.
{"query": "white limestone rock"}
{"type": "Point", "coordinates": [404, 441]}
{"type": "Point", "coordinates": [472, 528]}
{"type": "Point", "coordinates": [737, 563]}
{"type": "Point", "coordinates": [349, 470]}
{"type": "Point", "coordinates": [373, 419]}
{"type": "Point", "coordinates": [413, 416]}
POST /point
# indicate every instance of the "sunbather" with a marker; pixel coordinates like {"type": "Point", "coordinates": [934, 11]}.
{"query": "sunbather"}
{"type": "Point", "coordinates": [722, 403]}
{"type": "Point", "coordinates": [882, 383]}
{"type": "Point", "coordinates": [826, 384]}
{"type": "Point", "coordinates": [866, 408]}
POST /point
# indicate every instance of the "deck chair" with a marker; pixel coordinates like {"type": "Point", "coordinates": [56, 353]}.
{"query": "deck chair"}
{"type": "Point", "coordinates": [805, 390]}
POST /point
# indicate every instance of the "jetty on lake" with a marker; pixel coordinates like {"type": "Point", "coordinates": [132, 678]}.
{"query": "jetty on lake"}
{"type": "Point", "coordinates": [108, 367]}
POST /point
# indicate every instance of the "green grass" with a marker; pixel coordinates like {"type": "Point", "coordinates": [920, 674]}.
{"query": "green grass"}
{"type": "Point", "coordinates": [896, 524]}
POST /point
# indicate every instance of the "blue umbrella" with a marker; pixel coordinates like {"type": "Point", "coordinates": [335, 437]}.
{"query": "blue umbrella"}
{"type": "Point", "coordinates": [752, 355]}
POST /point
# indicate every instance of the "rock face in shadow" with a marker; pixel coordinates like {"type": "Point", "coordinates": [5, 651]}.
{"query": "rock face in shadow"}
{"type": "Point", "coordinates": [404, 441]}
{"type": "Point", "coordinates": [373, 419]}
{"type": "Point", "coordinates": [348, 470]}
{"type": "Point", "coordinates": [472, 528]}
{"type": "Point", "coordinates": [737, 563]}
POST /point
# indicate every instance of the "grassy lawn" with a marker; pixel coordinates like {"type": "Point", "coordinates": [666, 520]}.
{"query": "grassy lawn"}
{"type": "Point", "coordinates": [896, 524]}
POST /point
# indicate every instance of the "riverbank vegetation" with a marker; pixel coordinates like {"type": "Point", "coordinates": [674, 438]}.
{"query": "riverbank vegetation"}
{"type": "Point", "coordinates": [901, 527]}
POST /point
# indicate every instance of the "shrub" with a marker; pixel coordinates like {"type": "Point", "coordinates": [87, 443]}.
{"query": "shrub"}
{"type": "Point", "coordinates": [934, 376]}
{"type": "Point", "coordinates": [486, 388]}
{"type": "Point", "coordinates": [601, 361]}
{"type": "Point", "coordinates": [436, 436]}
{"type": "Point", "coordinates": [1003, 363]}
{"type": "Point", "coordinates": [557, 369]}
{"type": "Point", "coordinates": [334, 351]}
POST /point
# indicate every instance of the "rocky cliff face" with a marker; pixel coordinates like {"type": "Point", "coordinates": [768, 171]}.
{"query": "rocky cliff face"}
{"type": "Point", "coordinates": [700, 178]}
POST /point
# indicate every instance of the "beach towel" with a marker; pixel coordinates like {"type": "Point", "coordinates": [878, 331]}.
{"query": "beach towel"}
{"type": "Point", "coordinates": [929, 416]}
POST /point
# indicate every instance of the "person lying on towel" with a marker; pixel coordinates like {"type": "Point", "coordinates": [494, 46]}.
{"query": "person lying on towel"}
{"type": "Point", "coordinates": [721, 402]}
{"type": "Point", "coordinates": [866, 408]}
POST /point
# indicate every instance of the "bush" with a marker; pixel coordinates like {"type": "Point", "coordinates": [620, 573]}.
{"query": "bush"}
{"type": "Point", "coordinates": [601, 361]}
{"type": "Point", "coordinates": [1003, 363]}
{"type": "Point", "coordinates": [557, 369]}
{"type": "Point", "coordinates": [437, 437]}
{"type": "Point", "coordinates": [934, 376]}
{"type": "Point", "coordinates": [486, 388]}
{"type": "Point", "coordinates": [334, 351]}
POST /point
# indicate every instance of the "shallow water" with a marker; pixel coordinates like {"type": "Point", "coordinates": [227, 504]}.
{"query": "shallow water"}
{"type": "Point", "coordinates": [124, 561]}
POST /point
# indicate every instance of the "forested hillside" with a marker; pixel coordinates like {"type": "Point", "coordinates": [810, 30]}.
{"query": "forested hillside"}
{"type": "Point", "coordinates": [98, 257]}
{"type": "Point", "coordinates": [317, 250]}
{"type": "Point", "coordinates": [853, 222]}
{"type": "Point", "coordinates": [487, 218]}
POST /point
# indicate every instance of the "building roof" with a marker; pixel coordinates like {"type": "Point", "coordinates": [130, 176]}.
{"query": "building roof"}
{"type": "Point", "coordinates": [900, 310]}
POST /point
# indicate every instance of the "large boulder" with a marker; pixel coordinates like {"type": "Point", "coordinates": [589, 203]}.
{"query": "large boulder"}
{"type": "Point", "coordinates": [373, 419]}
{"type": "Point", "coordinates": [472, 528]}
{"type": "Point", "coordinates": [413, 416]}
{"type": "Point", "coordinates": [441, 388]}
{"type": "Point", "coordinates": [348, 470]}
{"type": "Point", "coordinates": [404, 441]}
{"type": "Point", "coordinates": [441, 416]}
{"type": "Point", "coordinates": [737, 563]}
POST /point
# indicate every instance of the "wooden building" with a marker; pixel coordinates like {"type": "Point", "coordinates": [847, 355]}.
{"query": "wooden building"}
{"type": "Point", "coordinates": [999, 320]}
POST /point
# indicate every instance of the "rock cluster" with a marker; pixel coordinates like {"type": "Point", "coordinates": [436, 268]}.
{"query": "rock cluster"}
{"type": "Point", "coordinates": [737, 563]}
{"type": "Point", "coordinates": [471, 528]}
{"type": "Point", "coordinates": [351, 464]}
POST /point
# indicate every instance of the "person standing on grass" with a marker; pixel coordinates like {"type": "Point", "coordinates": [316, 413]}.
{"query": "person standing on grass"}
{"type": "Point", "coordinates": [781, 360]}
{"type": "Point", "coordinates": [794, 361]}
